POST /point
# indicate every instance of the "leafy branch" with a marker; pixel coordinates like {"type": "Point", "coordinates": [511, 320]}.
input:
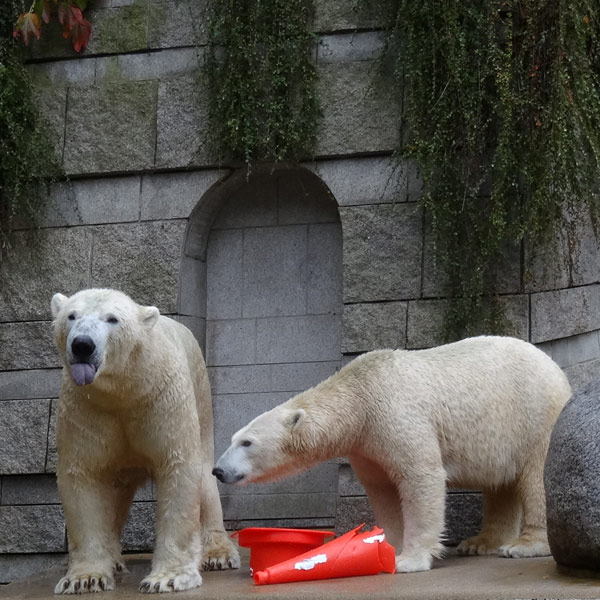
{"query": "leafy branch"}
{"type": "Point", "coordinates": [70, 16]}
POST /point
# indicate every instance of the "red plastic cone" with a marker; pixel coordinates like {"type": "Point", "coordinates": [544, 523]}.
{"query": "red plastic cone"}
{"type": "Point", "coordinates": [349, 555]}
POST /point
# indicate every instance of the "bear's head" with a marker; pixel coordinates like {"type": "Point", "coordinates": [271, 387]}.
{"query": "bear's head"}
{"type": "Point", "coordinates": [270, 447]}
{"type": "Point", "coordinates": [97, 330]}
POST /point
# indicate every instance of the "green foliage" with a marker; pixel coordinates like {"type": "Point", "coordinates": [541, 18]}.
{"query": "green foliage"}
{"type": "Point", "coordinates": [27, 158]}
{"type": "Point", "coordinates": [502, 116]}
{"type": "Point", "coordinates": [261, 76]}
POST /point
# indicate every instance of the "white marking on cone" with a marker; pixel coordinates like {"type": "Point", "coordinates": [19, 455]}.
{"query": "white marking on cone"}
{"type": "Point", "coordinates": [309, 563]}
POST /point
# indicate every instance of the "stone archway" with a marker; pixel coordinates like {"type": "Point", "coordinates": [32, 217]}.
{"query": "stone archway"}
{"type": "Point", "coordinates": [269, 252]}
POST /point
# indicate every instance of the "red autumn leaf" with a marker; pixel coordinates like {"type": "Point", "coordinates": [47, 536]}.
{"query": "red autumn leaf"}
{"type": "Point", "coordinates": [63, 12]}
{"type": "Point", "coordinates": [77, 28]}
{"type": "Point", "coordinates": [46, 12]}
{"type": "Point", "coordinates": [28, 24]}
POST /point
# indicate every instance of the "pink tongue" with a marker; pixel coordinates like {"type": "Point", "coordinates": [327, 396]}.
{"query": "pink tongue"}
{"type": "Point", "coordinates": [83, 373]}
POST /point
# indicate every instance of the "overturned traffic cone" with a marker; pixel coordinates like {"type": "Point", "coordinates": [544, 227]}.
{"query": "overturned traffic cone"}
{"type": "Point", "coordinates": [349, 555]}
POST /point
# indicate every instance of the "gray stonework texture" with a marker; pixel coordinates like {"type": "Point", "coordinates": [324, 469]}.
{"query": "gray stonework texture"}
{"type": "Point", "coordinates": [283, 274]}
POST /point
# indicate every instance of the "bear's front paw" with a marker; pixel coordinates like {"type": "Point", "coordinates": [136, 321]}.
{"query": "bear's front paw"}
{"type": "Point", "coordinates": [220, 553]}
{"type": "Point", "coordinates": [170, 582]}
{"type": "Point", "coordinates": [85, 583]}
{"type": "Point", "coordinates": [411, 563]}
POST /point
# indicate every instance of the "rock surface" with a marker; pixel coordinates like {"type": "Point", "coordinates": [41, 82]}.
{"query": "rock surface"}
{"type": "Point", "coordinates": [572, 482]}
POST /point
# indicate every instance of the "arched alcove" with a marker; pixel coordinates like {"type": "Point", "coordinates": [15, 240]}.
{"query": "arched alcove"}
{"type": "Point", "coordinates": [262, 281]}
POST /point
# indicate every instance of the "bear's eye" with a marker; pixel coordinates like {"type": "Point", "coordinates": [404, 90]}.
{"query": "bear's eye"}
{"type": "Point", "coordinates": [112, 320]}
{"type": "Point", "coordinates": [246, 443]}
{"type": "Point", "coordinates": [72, 317]}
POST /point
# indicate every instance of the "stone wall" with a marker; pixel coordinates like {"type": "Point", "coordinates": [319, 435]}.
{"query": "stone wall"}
{"type": "Point", "coordinates": [129, 120]}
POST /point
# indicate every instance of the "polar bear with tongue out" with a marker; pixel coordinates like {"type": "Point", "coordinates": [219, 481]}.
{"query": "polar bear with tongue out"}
{"type": "Point", "coordinates": [135, 403]}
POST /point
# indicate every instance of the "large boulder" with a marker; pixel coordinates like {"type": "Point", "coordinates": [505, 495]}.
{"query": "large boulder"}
{"type": "Point", "coordinates": [572, 482]}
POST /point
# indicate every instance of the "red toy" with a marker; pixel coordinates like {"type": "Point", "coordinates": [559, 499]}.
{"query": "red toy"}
{"type": "Point", "coordinates": [272, 545]}
{"type": "Point", "coordinates": [349, 555]}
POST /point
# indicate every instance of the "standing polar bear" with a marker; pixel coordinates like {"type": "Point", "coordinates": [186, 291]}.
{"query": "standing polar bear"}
{"type": "Point", "coordinates": [135, 402]}
{"type": "Point", "coordinates": [473, 414]}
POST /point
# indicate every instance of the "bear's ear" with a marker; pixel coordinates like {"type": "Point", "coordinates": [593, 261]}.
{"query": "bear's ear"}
{"type": "Point", "coordinates": [57, 303]}
{"type": "Point", "coordinates": [149, 316]}
{"type": "Point", "coordinates": [296, 419]}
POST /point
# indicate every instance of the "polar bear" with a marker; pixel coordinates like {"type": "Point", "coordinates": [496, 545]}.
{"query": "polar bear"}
{"type": "Point", "coordinates": [135, 402]}
{"type": "Point", "coordinates": [474, 414]}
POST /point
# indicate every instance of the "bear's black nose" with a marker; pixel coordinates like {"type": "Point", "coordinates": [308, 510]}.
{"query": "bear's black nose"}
{"type": "Point", "coordinates": [83, 346]}
{"type": "Point", "coordinates": [219, 474]}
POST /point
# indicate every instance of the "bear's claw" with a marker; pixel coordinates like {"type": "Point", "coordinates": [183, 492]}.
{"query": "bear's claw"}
{"type": "Point", "coordinates": [84, 584]}
{"type": "Point", "coordinates": [168, 582]}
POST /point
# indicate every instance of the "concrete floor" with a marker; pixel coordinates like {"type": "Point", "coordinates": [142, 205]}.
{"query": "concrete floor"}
{"type": "Point", "coordinates": [454, 577]}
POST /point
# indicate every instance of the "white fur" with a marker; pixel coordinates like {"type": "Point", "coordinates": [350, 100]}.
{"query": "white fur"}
{"type": "Point", "coordinates": [473, 414]}
{"type": "Point", "coordinates": [147, 413]}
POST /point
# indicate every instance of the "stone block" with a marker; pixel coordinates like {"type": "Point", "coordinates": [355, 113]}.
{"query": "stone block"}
{"type": "Point", "coordinates": [348, 47]}
{"type": "Point", "coordinates": [324, 269]}
{"type": "Point", "coordinates": [572, 484]}
{"type": "Point", "coordinates": [307, 338]}
{"type": "Point", "coordinates": [585, 252]}
{"type": "Point", "coordinates": [40, 263]}
{"type": "Point", "coordinates": [277, 506]}
{"type": "Point", "coordinates": [342, 15]}
{"type": "Point", "coordinates": [573, 350]}
{"type": "Point", "coordinates": [349, 485]}
{"type": "Point", "coordinates": [326, 523]}
{"type": "Point", "coordinates": [23, 435]}
{"type": "Point", "coordinates": [464, 515]}
{"type": "Point", "coordinates": [359, 114]}
{"type": "Point", "coordinates": [192, 295]}
{"type": "Point", "coordinates": [231, 342]}
{"type": "Point", "coordinates": [224, 258]}
{"type": "Point", "coordinates": [252, 204]}
{"type": "Point", "coordinates": [290, 377]}
{"type": "Point", "coordinates": [426, 320]}
{"type": "Point", "coordinates": [356, 181]}
{"type": "Point", "coordinates": [274, 271]}
{"type": "Point", "coordinates": [297, 377]}
{"type": "Point", "coordinates": [564, 313]}
{"type": "Point", "coordinates": [582, 373]}
{"type": "Point", "coordinates": [175, 195]}
{"type": "Point", "coordinates": [351, 511]}
{"type": "Point", "coordinates": [234, 411]}
{"type": "Point", "coordinates": [303, 198]}
{"type": "Point", "coordinates": [547, 264]}
{"type": "Point", "coordinates": [507, 271]}
{"type": "Point", "coordinates": [182, 124]}
{"type": "Point", "coordinates": [164, 64]}
{"type": "Point", "coordinates": [197, 326]}
{"type": "Point", "coordinates": [27, 346]}
{"type": "Point", "coordinates": [24, 385]}
{"type": "Point", "coordinates": [20, 566]}
{"type": "Point", "coordinates": [63, 72]}
{"type": "Point", "coordinates": [240, 379]}
{"type": "Point", "coordinates": [52, 104]}
{"type": "Point", "coordinates": [120, 29]}
{"type": "Point", "coordinates": [176, 23]}
{"type": "Point", "coordinates": [142, 259]}
{"type": "Point", "coordinates": [29, 489]}
{"type": "Point", "coordinates": [139, 531]}
{"type": "Point", "coordinates": [374, 326]}
{"type": "Point", "coordinates": [111, 127]}
{"type": "Point", "coordinates": [92, 201]}
{"type": "Point", "coordinates": [382, 252]}
{"type": "Point", "coordinates": [52, 451]}
{"type": "Point", "coordinates": [32, 529]}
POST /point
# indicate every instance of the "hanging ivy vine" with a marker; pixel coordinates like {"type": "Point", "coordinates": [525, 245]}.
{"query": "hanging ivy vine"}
{"type": "Point", "coordinates": [261, 76]}
{"type": "Point", "coordinates": [502, 116]}
{"type": "Point", "coordinates": [27, 157]}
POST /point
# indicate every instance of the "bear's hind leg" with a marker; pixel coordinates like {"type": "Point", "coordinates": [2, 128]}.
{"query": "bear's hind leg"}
{"type": "Point", "coordinates": [501, 522]}
{"type": "Point", "coordinates": [533, 540]}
